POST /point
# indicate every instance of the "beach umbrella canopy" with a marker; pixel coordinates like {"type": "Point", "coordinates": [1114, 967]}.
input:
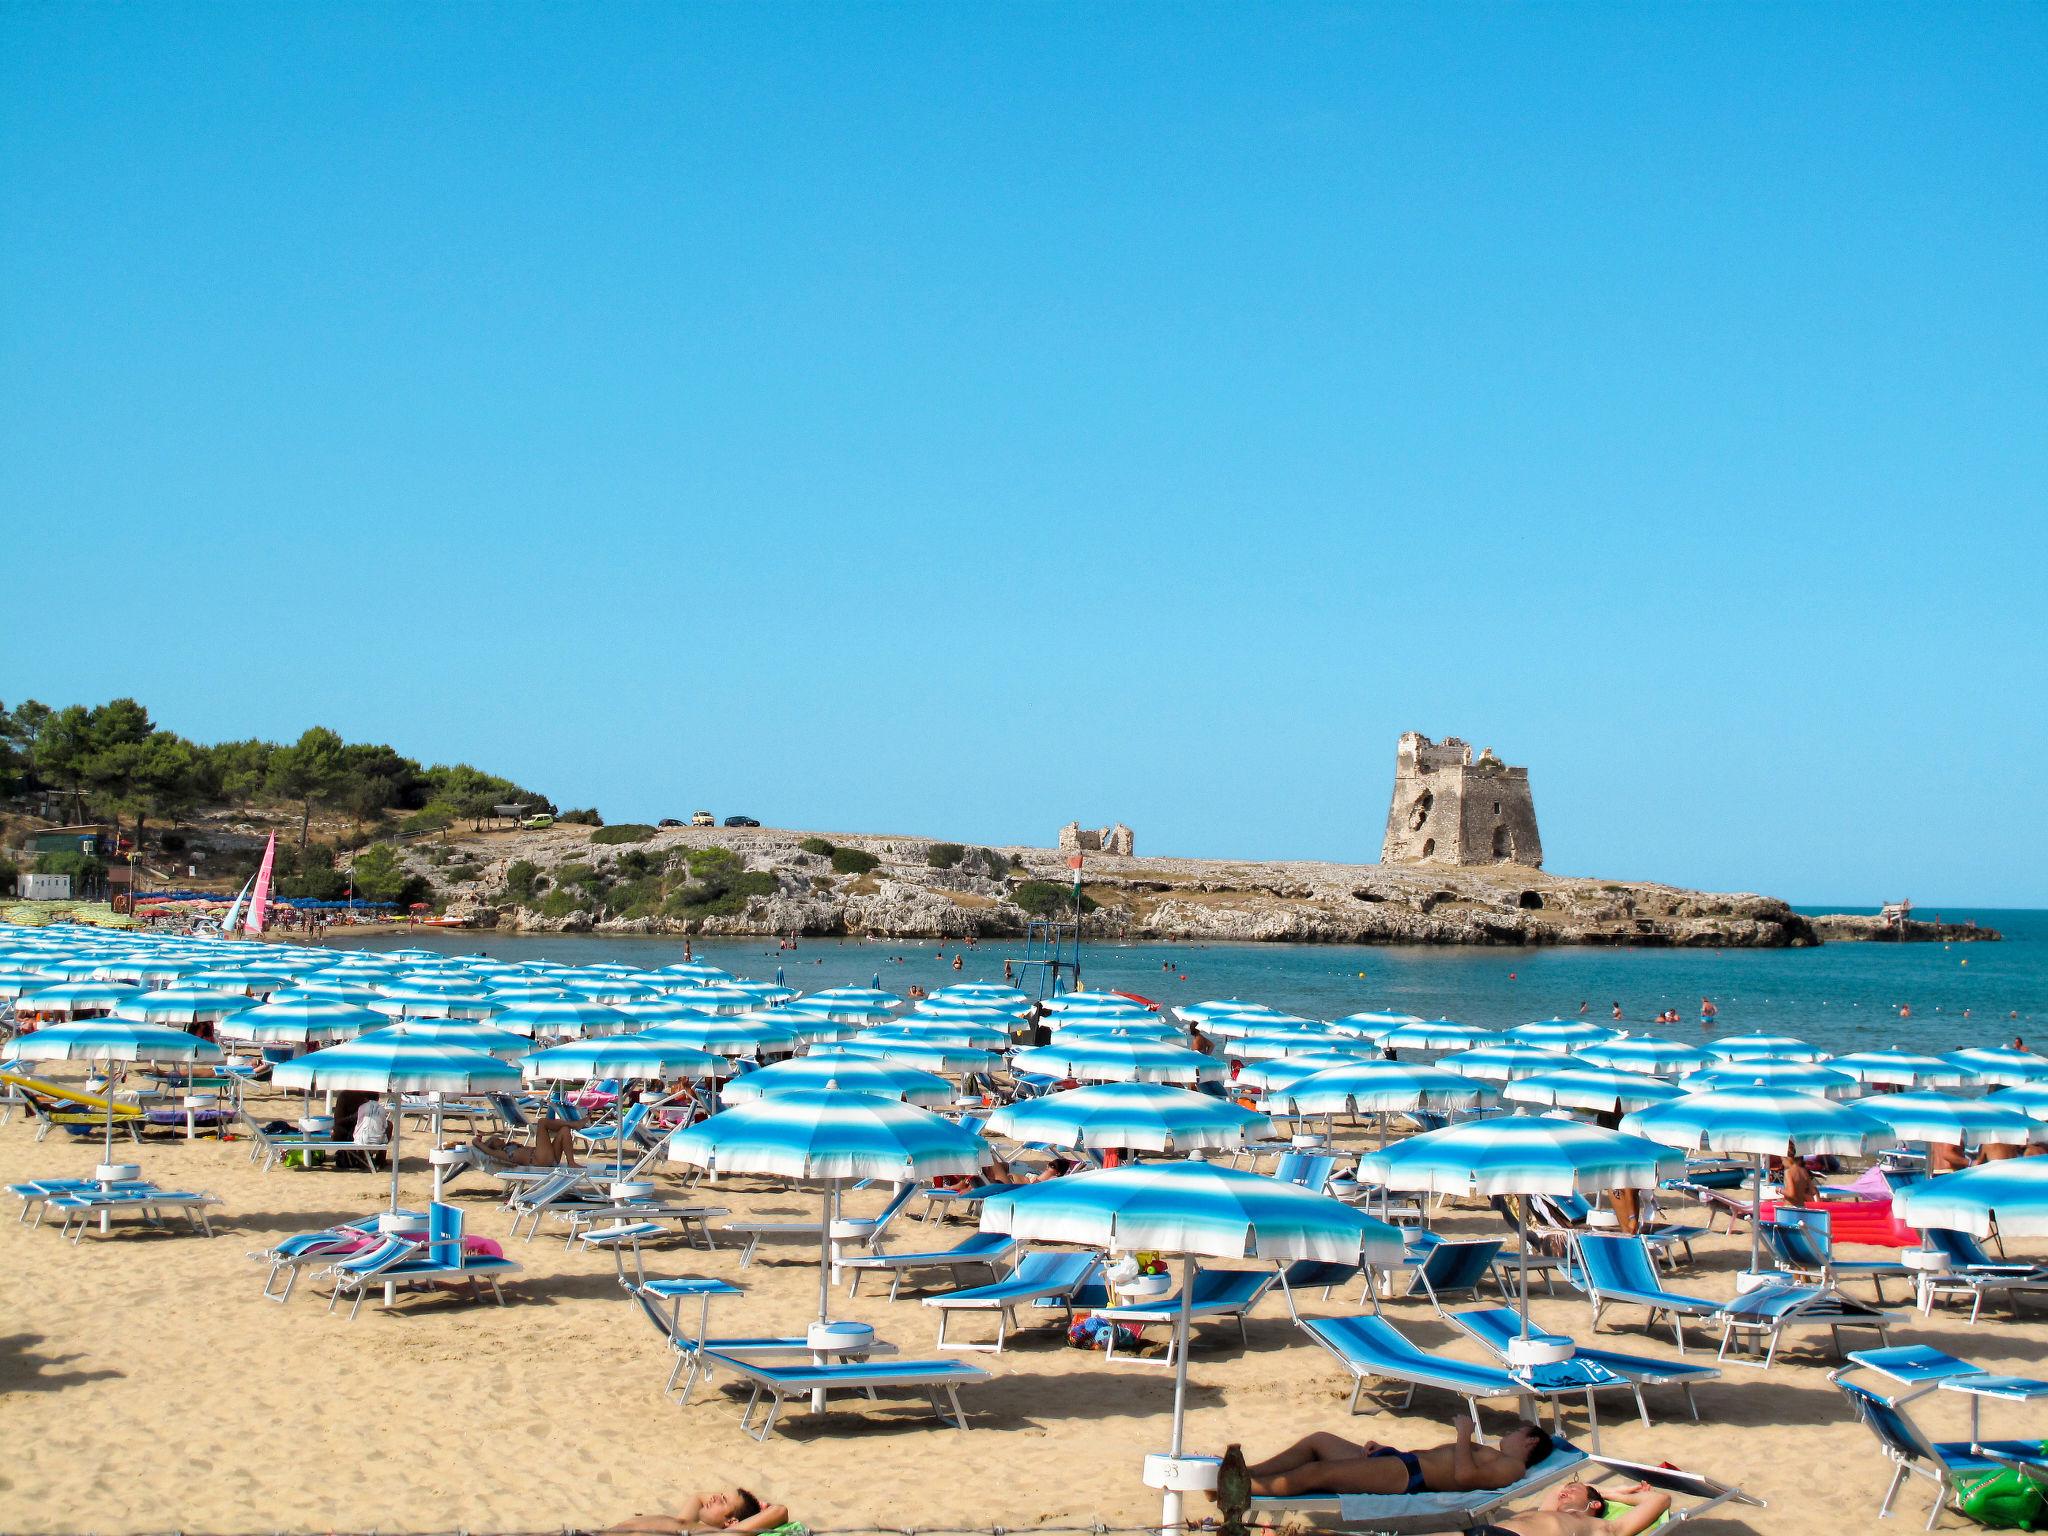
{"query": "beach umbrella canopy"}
{"type": "Point", "coordinates": [1120, 1061]}
{"type": "Point", "coordinates": [870, 995]}
{"type": "Point", "coordinates": [1147, 1117]}
{"type": "Point", "coordinates": [1645, 1053]}
{"type": "Point", "coordinates": [2000, 1064]}
{"type": "Point", "coordinates": [1561, 1034]}
{"type": "Point", "coordinates": [1603, 1090]}
{"type": "Point", "coordinates": [1280, 1071]}
{"type": "Point", "coordinates": [915, 1031]}
{"type": "Point", "coordinates": [1505, 1062]}
{"type": "Point", "coordinates": [1950, 1117]}
{"type": "Point", "coordinates": [925, 1055]}
{"type": "Point", "coordinates": [832, 1135]}
{"type": "Point", "coordinates": [464, 1033]}
{"type": "Point", "coordinates": [561, 1019]}
{"type": "Point", "coordinates": [1792, 1076]}
{"type": "Point", "coordinates": [696, 971]}
{"type": "Point", "coordinates": [986, 991]}
{"type": "Point", "coordinates": [715, 998]}
{"type": "Point", "coordinates": [1374, 1087]}
{"type": "Point", "coordinates": [1907, 1069]}
{"type": "Point", "coordinates": [1373, 1026]}
{"type": "Point", "coordinates": [850, 1010]}
{"type": "Point", "coordinates": [1234, 1026]}
{"type": "Point", "coordinates": [617, 989]}
{"type": "Point", "coordinates": [2030, 1099]}
{"type": "Point", "coordinates": [13, 983]}
{"type": "Point", "coordinates": [1095, 1005]}
{"type": "Point", "coordinates": [2011, 1194]}
{"type": "Point", "coordinates": [850, 1074]}
{"type": "Point", "coordinates": [1117, 1029]}
{"type": "Point", "coordinates": [1193, 1209]}
{"type": "Point", "coordinates": [411, 1003]}
{"type": "Point", "coordinates": [1759, 1122]}
{"type": "Point", "coordinates": [1295, 1042]}
{"type": "Point", "coordinates": [187, 1005]}
{"type": "Point", "coordinates": [1766, 1048]}
{"type": "Point", "coordinates": [728, 1036]}
{"type": "Point", "coordinates": [112, 1041]}
{"type": "Point", "coordinates": [299, 1021]}
{"type": "Point", "coordinates": [1521, 1155]}
{"type": "Point", "coordinates": [632, 1056]}
{"type": "Point", "coordinates": [982, 1010]}
{"type": "Point", "coordinates": [1436, 1035]}
{"type": "Point", "coordinates": [768, 992]}
{"type": "Point", "coordinates": [72, 998]}
{"type": "Point", "coordinates": [1199, 1013]}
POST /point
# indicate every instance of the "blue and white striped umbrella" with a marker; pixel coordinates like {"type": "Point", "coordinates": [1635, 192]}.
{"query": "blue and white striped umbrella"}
{"type": "Point", "coordinates": [766, 994]}
{"type": "Point", "coordinates": [1200, 1013]}
{"type": "Point", "coordinates": [1117, 1029]}
{"type": "Point", "coordinates": [924, 1055]}
{"type": "Point", "coordinates": [1788, 1076]}
{"type": "Point", "coordinates": [466, 1034]}
{"type": "Point", "coordinates": [630, 1056]}
{"type": "Point", "coordinates": [1765, 1048]}
{"type": "Point", "coordinates": [1373, 1026]}
{"type": "Point", "coordinates": [397, 1063]}
{"type": "Point", "coordinates": [1603, 1090]}
{"type": "Point", "coordinates": [871, 995]}
{"type": "Point", "coordinates": [845, 1010]}
{"type": "Point", "coordinates": [1191, 1208]}
{"type": "Point", "coordinates": [2011, 1194]}
{"type": "Point", "coordinates": [1646, 1053]}
{"type": "Point", "coordinates": [1095, 1003]}
{"type": "Point", "coordinates": [1281, 1071]}
{"type": "Point", "coordinates": [1002, 994]}
{"type": "Point", "coordinates": [1906, 1069]}
{"type": "Point", "coordinates": [1436, 1035]}
{"type": "Point", "coordinates": [717, 998]}
{"type": "Point", "coordinates": [187, 1005]}
{"type": "Point", "coordinates": [1764, 1122]}
{"type": "Point", "coordinates": [74, 998]}
{"type": "Point", "coordinates": [1379, 1087]}
{"type": "Point", "coordinates": [1505, 1062]}
{"type": "Point", "coordinates": [728, 1036]}
{"type": "Point", "coordinates": [1950, 1117]}
{"type": "Point", "coordinates": [112, 1040]}
{"type": "Point", "coordinates": [825, 1133]}
{"type": "Point", "coordinates": [646, 1012]}
{"type": "Point", "coordinates": [2030, 1099]}
{"type": "Point", "coordinates": [1520, 1155]}
{"type": "Point", "coordinates": [2000, 1064]}
{"type": "Point", "coordinates": [936, 1007]}
{"type": "Point", "coordinates": [615, 989]}
{"type": "Point", "coordinates": [411, 1003]}
{"type": "Point", "coordinates": [849, 1074]}
{"type": "Point", "coordinates": [1561, 1034]}
{"type": "Point", "coordinates": [562, 1019]}
{"type": "Point", "coordinates": [1296, 1042]}
{"type": "Point", "coordinates": [696, 972]}
{"type": "Point", "coordinates": [1147, 1117]}
{"type": "Point", "coordinates": [1235, 1026]}
{"type": "Point", "coordinates": [915, 1031]}
{"type": "Point", "coordinates": [13, 983]}
{"type": "Point", "coordinates": [299, 1021]}
{"type": "Point", "coordinates": [1120, 1061]}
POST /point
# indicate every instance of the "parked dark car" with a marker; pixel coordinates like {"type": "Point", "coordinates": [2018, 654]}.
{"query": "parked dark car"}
{"type": "Point", "coordinates": [741, 821]}
{"type": "Point", "coordinates": [668, 821]}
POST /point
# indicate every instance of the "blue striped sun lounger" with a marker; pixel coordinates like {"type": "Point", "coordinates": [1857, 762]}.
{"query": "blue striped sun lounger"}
{"type": "Point", "coordinates": [939, 1380]}
{"type": "Point", "coordinates": [1974, 1273]}
{"type": "Point", "coordinates": [1445, 1269]}
{"type": "Point", "coordinates": [1051, 1279]}
{"type": "Point", "coordinates": [1912, 1454]}
{"type": "Point", "coordinates": [405, 1261]}
{"type": "Point", "coordinates": [83, 1210]}
{"type": "Point", "coordinates": [695, 1354]}
{"type": "Point", "coordinates": [984, 1250]}
{"type": "Point", "coordinates": [1802, 1245]}
{"type": "Point", "coordinates": [36, 1194]}
{"type": "Point", "coordinates": [1494, 1327]}
{"type": "Point", "coordinates": [1394, 1513]}
{"type": "Point", "coordinates": [305, 1249]}
{"type": "Point", "coordinates": [1617, 1271]}
{"type": "Point", "coordinates": [1219, 1295]}
{"type": "Point", "coordinates": [1767, 1313]}
{"type": "Point", "coordinates": [1372, 1349]}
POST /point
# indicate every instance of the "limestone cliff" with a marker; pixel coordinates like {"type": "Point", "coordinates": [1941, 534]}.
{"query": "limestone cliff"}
{"type": "Point", "coordinates": [778, 882]}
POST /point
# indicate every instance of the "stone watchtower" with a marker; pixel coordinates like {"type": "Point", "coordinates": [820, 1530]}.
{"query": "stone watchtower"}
{"type": "Point", "coordinates": [1450, 809]}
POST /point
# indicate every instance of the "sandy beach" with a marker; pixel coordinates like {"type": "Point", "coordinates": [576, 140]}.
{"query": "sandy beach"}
{"type": "Point", "coordinates": [145, 1385]}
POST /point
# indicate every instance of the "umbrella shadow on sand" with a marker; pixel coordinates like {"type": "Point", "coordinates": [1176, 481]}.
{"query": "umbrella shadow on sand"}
{"type": "Point", "coordinates": [22, 1369]}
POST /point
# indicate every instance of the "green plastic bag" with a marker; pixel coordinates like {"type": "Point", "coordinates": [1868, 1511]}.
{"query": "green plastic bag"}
{"type": "Point", "coordinates": [2007, 1500]}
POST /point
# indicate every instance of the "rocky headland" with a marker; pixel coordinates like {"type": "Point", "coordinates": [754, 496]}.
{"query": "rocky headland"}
{"type": "Point", "coordinates": [735, 881]}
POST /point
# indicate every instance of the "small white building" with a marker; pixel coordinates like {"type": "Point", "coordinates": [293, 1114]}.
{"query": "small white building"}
{"type": "Point", "coordinates": [44, 887]}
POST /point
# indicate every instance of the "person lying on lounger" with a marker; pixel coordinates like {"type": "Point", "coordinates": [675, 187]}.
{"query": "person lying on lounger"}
{"type": "Point", "coordinates": [553, 1147]}
{"type": "Point", "coordinates": [1326, 1463]}
{"type": "Point", "coordinates": [725, 1509]}
{"type": "Point", "coordinates": [1579, 1509]}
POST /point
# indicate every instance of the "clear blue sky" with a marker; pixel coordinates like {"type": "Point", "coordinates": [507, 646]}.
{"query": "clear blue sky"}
{"type": "Point", "coordinates": [955, 419]}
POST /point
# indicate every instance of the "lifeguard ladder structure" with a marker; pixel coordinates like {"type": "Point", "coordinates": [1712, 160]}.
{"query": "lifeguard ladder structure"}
{"type": "Point", "coordinates": [1051, 963]}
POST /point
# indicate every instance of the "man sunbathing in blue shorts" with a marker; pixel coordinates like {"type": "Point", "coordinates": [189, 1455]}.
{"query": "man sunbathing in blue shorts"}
{"type": "Point", "coordinates": [1326, 1463]}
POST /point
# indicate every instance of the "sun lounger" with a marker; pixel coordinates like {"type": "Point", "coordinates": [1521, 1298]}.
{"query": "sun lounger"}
{"type": "Point", "coordinates": [1912, 1454]}
{"type": "Point", "coordinates": [304, 1249]}
{"type": "Point", "coordinates": [985, 1250]}
{"type": "Point", "coordinates": [1372, 1349]}
{"type": "Point", "coordinates": [1770, 1310]}
{"type": "Point", "coordinates": [1218, 1294]}
{"type": "Point", "coordinates": [1801, 1244]}
{"type": "Point", "coordinates": [754, 1231]}
{"type": "Point", "coordinates": [271, 1146]}
{"type": "Point", "coordinates": [694, 1352]}
{"type": "Point", "coordinates": [1616, 1271]}
{"type": "Point", "coordinates": [36, 1194]}
{"type": "Point", "coordinates": [1039, 1278]}
{"type": "Point", "coordinates": [1974, 1273]}
{"type": "Point", "coordinates": [399, 1261]}
{"type": "Point", "coordinates": [1308, 1169]}
{"type": "Point", "coordinates": [82, 1210]}
{"type": "Point", "coordinates": [939, 1380]}
{"type": "Point", "coordinates": [1708, 1492]}
{"type": "Point", "coordinates": [1311, 1274]}
{"type": "Point", "coordinates": [1570, 1215]}
{"type": "Point", "coordinates": [1394, 1513]}
{"type": "Point", "coordinates": [1494, 1327]}
{"type": "Point", "coordinates": [1445, 1269]}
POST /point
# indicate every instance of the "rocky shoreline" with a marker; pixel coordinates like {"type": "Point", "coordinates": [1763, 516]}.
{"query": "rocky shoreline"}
{"type": "Point", "coordinates": [749, 881]}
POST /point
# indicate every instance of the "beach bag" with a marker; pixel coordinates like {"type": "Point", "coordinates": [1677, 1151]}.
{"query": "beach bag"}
{"type": "Point", "coordinates": [2006, 1500]}
{"type": "Point", "coordinates": [1096, 1333]}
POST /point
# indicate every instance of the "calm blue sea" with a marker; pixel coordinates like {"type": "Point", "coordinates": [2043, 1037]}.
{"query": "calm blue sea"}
{"type": "Point", "coordinates": [1841, 996]}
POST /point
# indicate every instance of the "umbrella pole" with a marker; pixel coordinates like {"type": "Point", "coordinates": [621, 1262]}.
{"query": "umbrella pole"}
{"type": "Point", "coordinates": [1756, 1212]}
{"type": "Point", "coordinates": [1170, 1512]}
{"type": "Point", "coordinates": [397, 1099]}
{"type": "Point", "coordinates": [825, 1252]}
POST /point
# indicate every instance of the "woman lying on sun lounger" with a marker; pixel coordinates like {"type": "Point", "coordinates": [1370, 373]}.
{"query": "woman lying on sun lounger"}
{"type": "Point", "coordinates": [553, 1147]}
{"type": "Point", "coordinates": [726, 1509]}
{"type": "Point", "coordinates": [1578, 1509]}
{"type": "Point", "coordinates": [1326, 1463]}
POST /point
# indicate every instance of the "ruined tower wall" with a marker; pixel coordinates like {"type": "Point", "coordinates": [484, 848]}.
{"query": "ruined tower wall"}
{"type": "Point", "coordinates": [1449, 809]}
